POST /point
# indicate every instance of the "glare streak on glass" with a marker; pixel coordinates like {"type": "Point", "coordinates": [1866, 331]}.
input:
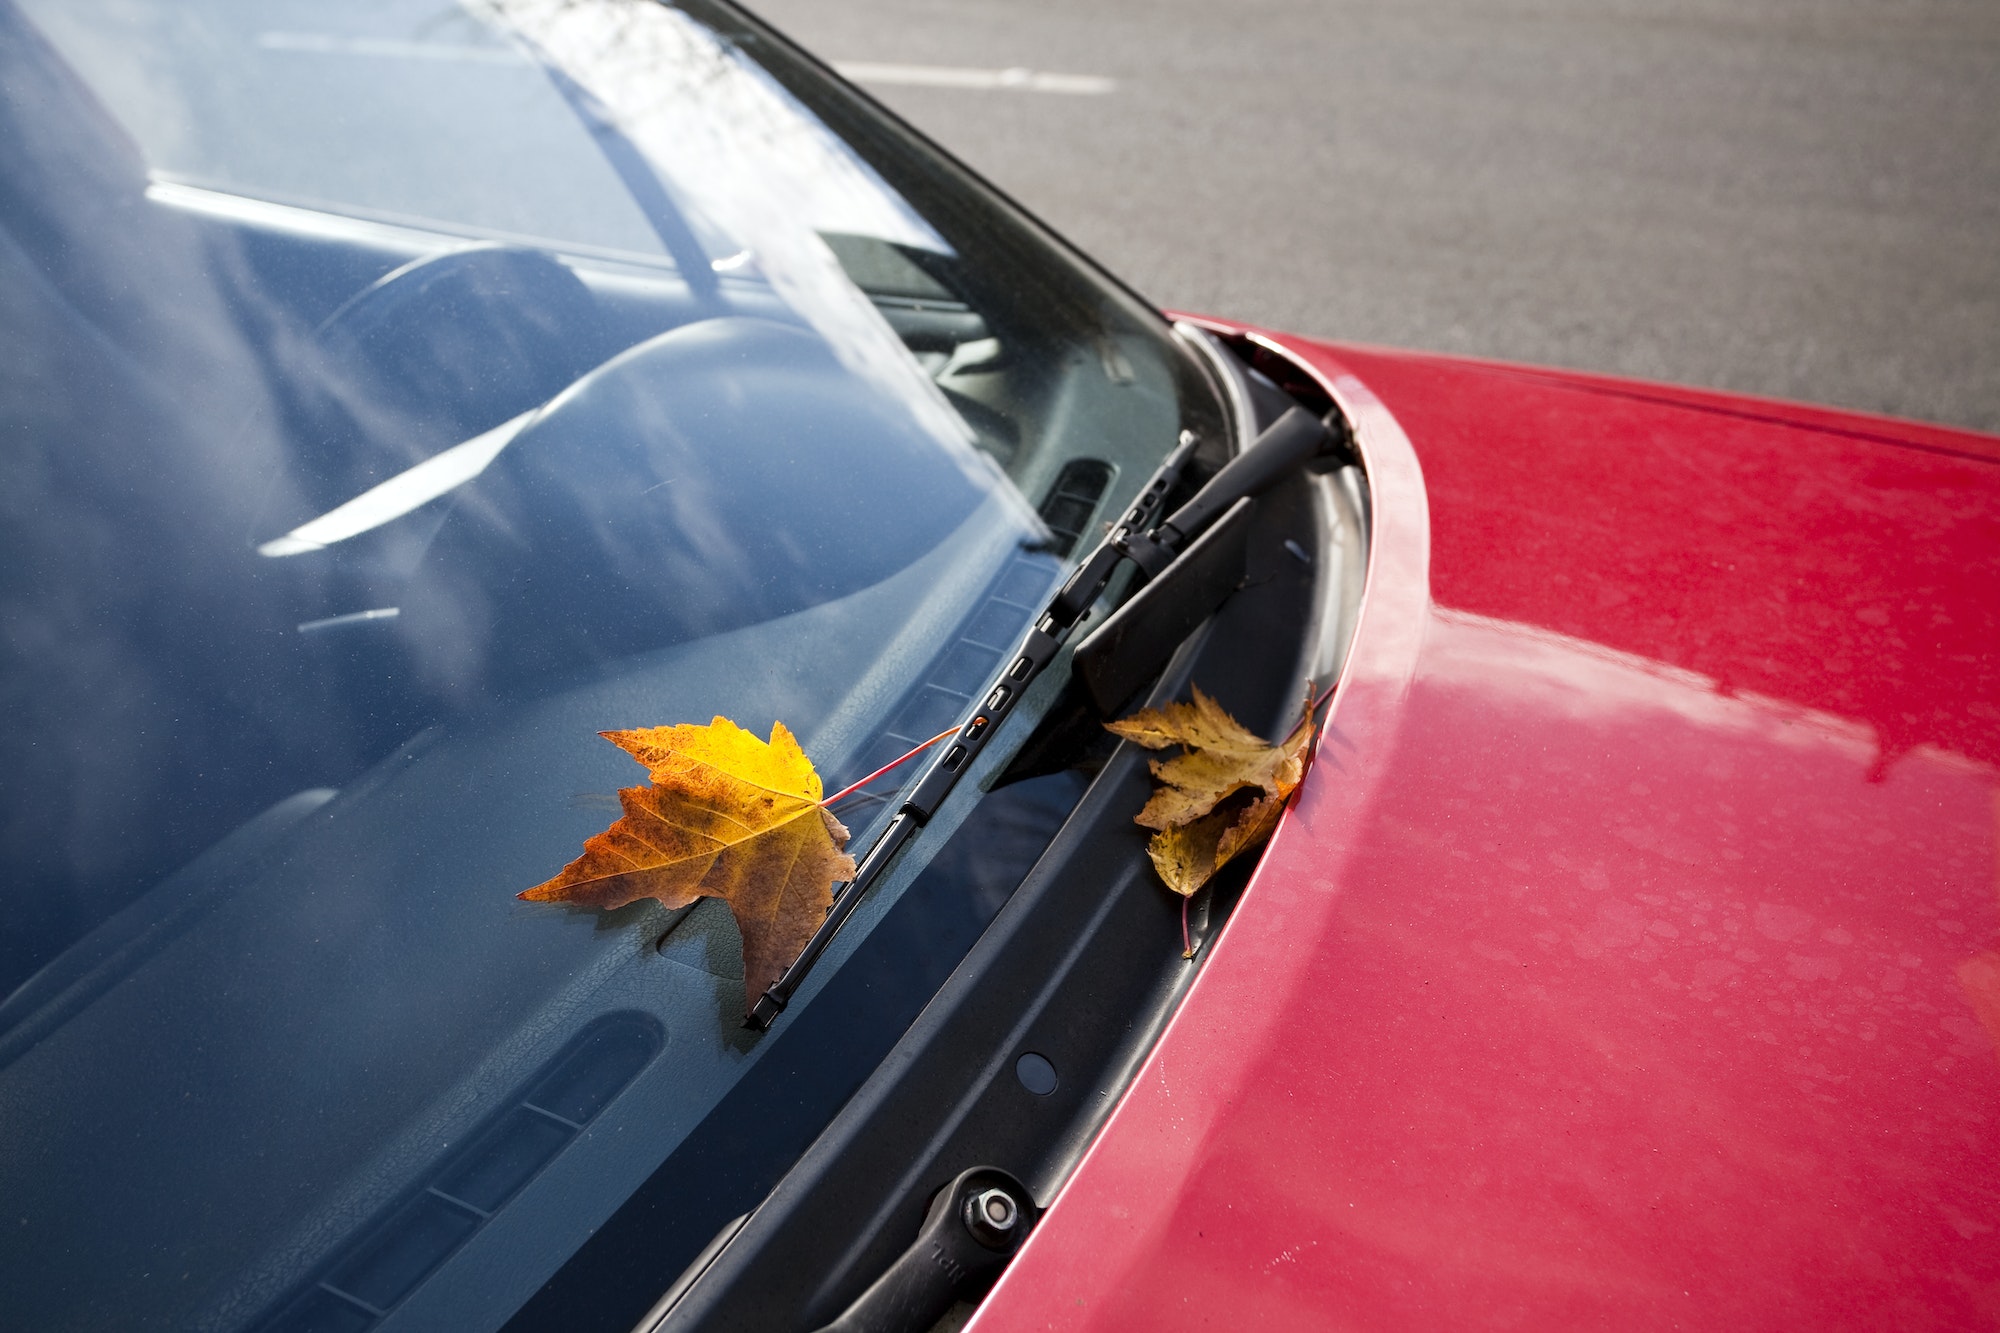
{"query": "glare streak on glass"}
{"type": "Point", "coordinates": [400, 494]}
{"type": "Point", "coordinates": [370, 226]}
{"type": "Point", "coordinates": [352, 618]}
{"type": "Point", "coordinates": [1012, 79]}
{"type": "Point", "coordinates": [307, 222]}
{"type": "Point", "coordinates": [325, 43]}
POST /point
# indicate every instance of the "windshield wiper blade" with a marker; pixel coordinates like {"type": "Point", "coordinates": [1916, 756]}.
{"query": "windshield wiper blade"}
{"type": "Point", "coordinates": [1287, 445]}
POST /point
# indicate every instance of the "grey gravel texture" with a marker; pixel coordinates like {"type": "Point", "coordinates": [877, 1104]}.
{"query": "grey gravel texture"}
{"type": "Point", "coordinates": [1795, 198]}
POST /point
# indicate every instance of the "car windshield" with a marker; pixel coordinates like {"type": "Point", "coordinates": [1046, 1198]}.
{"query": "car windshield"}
{"type": "Point", "coordinates": [396, 395]}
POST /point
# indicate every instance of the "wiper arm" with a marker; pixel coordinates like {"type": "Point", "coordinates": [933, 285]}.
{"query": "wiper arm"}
{"type": "Point", "coordinates": [1288, 444]}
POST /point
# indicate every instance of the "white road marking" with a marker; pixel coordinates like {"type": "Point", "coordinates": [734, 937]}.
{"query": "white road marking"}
{"type": "Point", "coordinates": [1015, 79]}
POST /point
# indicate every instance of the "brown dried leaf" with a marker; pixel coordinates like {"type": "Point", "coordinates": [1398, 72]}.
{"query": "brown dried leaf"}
{"type": "Point", "coordinates": [1184, 856]}
{"type": "Point", "coordinates": [1200, 829]}
{"type": "Point", "coordinates": [1222, 757]}
{"type": "Point", "coordinates": [1249, 829]}
{"type": "Point", "coordinates": [1203, 724]}
{"type": "Point", "coordinates": [726, 816]}
{"type": "Point", "coordinates": [1188, 855]}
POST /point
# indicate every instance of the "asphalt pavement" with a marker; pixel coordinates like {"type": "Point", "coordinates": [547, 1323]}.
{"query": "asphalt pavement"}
{"type": "Point", "coordinates": [1796, 198]}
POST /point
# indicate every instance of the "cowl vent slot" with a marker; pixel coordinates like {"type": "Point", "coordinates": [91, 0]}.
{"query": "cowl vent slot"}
{"type": "Point", "coordinates": [403, 1244]}
{"type": "Point", "coordinates": [1072, 500]}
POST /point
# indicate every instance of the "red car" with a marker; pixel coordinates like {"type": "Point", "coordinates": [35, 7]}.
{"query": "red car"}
{"type": "Point", "coordinates": [1629, 960]}
{"type": "Point", "coordinates": [399, 398]}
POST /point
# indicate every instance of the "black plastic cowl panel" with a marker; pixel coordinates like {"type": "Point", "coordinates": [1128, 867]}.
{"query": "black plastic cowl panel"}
{"type": "Point", "coordinates": [1022, 1054]}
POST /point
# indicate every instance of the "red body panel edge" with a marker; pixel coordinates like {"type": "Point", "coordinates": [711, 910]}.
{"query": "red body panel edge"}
{"type": "Point", "coordinates": [1631, 957]}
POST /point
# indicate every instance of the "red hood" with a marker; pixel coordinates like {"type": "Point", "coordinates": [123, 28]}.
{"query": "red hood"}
{"type": "Point", "coordinates": [1632, 956]}
{"type": "Point", "coordinates": [1843, 563]}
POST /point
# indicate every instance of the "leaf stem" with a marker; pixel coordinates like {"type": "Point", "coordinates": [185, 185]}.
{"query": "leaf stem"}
{"type": "Point", "coordinates": [1187, 945]}
{"type": "Point", "coordinates": [847, 791]}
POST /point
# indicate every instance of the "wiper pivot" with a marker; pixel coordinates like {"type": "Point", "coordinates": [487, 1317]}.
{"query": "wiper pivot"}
{"type": "Point", "coordinates": [1123, 653]}
{"type": "Point", "coordinates": [1286, 445]}
{"type": "Point", "coordinates": [974, 1226]}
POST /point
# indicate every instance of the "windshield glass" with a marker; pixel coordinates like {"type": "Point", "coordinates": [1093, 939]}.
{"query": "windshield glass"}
{"type": "Point", "coordinates": [396, 395]}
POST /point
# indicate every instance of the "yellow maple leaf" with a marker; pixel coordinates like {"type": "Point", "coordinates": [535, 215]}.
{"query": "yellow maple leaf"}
{"type": "Point", "coordinates": [726, 816]}
{"type": "Point", "coordinates": [1199, 828]}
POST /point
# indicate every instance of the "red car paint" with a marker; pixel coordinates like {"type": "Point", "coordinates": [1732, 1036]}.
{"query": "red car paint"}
{"type": "Point", "coordinates": [1631, 958]}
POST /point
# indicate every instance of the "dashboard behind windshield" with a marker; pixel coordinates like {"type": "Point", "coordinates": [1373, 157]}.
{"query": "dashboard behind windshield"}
{"type": "Point", "coordinates": [395, 396]}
